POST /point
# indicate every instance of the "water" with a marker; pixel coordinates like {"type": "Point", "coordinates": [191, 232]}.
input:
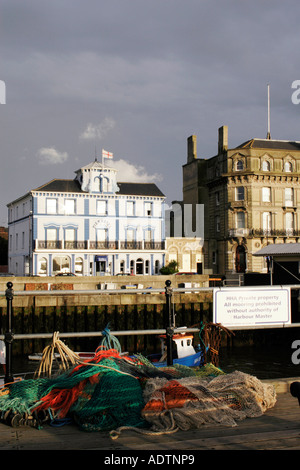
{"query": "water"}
{"type": "Point", "coordinates": [264, 362]}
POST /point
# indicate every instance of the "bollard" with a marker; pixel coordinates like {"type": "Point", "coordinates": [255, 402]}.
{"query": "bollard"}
{"type": "Point", "coordinates": [9, 337]}
{"type": "Point", "coordinates": [171, 323]}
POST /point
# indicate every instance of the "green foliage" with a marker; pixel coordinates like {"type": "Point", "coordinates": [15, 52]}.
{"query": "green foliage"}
{"type": "Point", "coordinates": [170, 268]}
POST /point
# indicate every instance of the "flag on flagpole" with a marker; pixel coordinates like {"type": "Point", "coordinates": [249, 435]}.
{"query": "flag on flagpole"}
{"type": "Point", "coordinates": [106, 154]}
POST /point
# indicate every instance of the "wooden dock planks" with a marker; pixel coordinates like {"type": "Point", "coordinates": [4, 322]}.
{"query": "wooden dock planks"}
{"type": "Point", "coordinates": [277, 429]}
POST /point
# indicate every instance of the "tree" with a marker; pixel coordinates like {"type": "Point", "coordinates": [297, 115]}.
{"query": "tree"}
{"type": "Point", "coordinates": [170, 268]}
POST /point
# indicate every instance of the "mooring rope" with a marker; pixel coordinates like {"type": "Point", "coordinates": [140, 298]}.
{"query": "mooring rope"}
{"type": "Point", "coordinates": [65, 353]}
{"type": "Point", "coordinates": [115, 433]}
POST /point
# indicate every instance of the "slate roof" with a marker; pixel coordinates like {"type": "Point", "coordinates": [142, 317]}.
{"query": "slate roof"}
{"type": "Point", "coordinates": [279, 249]}
{"type": "Point", "coordinates": [140, 189]}
{"type": "Point", "coordinates": [270, 144]}
{"type": "Point", "coordinates": [64, 186]}
{"type": "Point", "coordinates": [73, 186]}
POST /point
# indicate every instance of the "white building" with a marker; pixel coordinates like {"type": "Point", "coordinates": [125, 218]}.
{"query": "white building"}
{"type": "Point", "coordinates": [91, 225]}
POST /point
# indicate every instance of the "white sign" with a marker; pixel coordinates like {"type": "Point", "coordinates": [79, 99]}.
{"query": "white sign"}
{"type": "Point", "coordinates": [252, 306]}
{"type": "Point", "coordinates": [2, 92]}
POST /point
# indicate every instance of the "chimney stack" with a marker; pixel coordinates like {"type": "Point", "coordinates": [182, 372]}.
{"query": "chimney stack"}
{"type": "Point", "coordinates": [192, 148]}
{"type": "Point", "coordinates": [223, 139]}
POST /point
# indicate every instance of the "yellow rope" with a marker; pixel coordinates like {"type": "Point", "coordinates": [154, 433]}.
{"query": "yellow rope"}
{"type": "Point", "coordinates": [65, 353]}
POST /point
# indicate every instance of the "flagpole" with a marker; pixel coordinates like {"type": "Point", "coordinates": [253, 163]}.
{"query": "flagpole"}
{"type": "Point", "coordinates": [269, 127]}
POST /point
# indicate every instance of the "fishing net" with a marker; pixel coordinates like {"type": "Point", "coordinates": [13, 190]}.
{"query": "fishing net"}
{"type": "Point", "coordinates": [189, 402]}
{"type": "Point", "coordinates": [112, 392]}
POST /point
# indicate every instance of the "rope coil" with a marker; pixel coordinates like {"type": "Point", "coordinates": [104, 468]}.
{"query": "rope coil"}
{"type": "Point", "coordinates": [66, 355]}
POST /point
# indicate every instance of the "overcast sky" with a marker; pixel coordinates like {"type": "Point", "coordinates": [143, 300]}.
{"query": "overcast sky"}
{"type": "Point", "coordinates": [137, 78]}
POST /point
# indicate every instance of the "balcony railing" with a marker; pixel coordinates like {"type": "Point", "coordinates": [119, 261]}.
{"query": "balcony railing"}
{"type": "Point", "coordinates": [289, 232]}
{"type": "Point", "coordinates": [48, 244]}
{"type": "Point", "coordinates": [238, 232]}
{"type": "Point", "coordinates": [98, 245]}
{"type": "Point", "coordinates": [259, 232]}
{"type": "Point", "coordinates": [132, 245]}
{"type": "Point", "coordinates": [103, 245]}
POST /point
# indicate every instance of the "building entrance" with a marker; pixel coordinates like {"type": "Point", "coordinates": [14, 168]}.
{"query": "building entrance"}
{"type": "Point", "coordinates": [240, 259]}
{"type": "Point", "coordinates": [100, 265]}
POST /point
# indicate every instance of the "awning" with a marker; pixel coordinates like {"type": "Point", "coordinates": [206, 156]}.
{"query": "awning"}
{"type": "Point", "coordinates": [279, 249]}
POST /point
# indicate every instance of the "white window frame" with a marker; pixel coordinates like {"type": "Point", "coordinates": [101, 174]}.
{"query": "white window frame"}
{"type": "Point", "coordinates": [148, 209]}
{"type": "Point", "coordinates": [70, 206]}
{"type": "Point", "coordinates": [130, 235]}
{"type": "Point", "coordinates": [51, 234]}
{"type": "Point", "coordinates": [266, 194]}
{"type": "Point", "coordinates": [130, 208]}
{"type": "Point", "coordinates": [267, 221]}
{"type": "Point", "coordinates": [289, 197]}
{"type": "Point", "coordinates": [289, 223]}
{"type": "Point", "coordinates": [239, 193]}
{"type": "Point", "coordinates": [51, 205]}
{"type": "Point", "coordinates": [240, 220]}
{"type": "Point", "coordinates": [101, 207]}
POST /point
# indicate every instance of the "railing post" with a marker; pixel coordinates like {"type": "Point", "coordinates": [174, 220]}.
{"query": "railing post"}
{"type": "Point", "coordinates": [171, 323]}
{"type": "Point", "coordinates": [9, 337]}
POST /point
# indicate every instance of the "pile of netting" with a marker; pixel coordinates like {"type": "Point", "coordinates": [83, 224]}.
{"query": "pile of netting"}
{"type": "Point", "coordinates": [112, 392]}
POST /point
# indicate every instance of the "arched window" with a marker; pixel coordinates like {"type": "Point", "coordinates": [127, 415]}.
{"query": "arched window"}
{"type": "Point", "coordinates": [156, 267]}
{"type": "Point", "coordinates": [122, 266]}
{"type": "Point", "coordinates": [42, 267]}
{"type": "Point", "coordinates": [147, 264]}
{"type": "Point", "coordinates": [79, 266]}
{"type": "Point", "coordinates": [139, 266]}
{"type": "Point", "coordinates": [240, 259]}
{"type": "Point", "coordinates": [104, 185]}
{"type": "Point", "coordinates": [61, 264]}
{"type": "Point", "coordinates": [239, 165]}
{"type": "Point", "coordinates": [131, 267]}
{"type": "Point", "coordinates": [288, 167]}
{"type": "Point", "coordinates": [266, 165]}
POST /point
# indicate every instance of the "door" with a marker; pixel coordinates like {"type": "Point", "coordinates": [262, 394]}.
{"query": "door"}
{"type": "Point", "coordinates": [139, 266]}
{"type": "Point", "coordinates": [240, 259]}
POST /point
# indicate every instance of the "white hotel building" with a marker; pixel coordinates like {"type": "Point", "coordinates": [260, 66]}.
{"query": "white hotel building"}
{"type": "Point", "coordinates": [91, 225]}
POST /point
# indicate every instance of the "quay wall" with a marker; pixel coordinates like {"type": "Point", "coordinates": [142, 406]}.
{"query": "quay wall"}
{"type": "Point", "coordinates": [78, 311]}
{"type": "Point", "coordinates": [99, 282]}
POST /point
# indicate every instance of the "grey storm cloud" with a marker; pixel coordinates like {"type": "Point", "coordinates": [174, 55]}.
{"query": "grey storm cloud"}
{"type": "Point", "coordinates": [138, 78]}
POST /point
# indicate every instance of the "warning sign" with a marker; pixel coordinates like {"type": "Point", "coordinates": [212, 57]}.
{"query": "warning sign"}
{"type": "Point", "coordinates": [252, 306]}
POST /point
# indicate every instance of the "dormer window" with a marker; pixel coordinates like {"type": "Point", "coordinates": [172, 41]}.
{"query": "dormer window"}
{"type": "Point", "coordinates": [239, 165]}
{"type": "Point", "coordinates": [288, 167]}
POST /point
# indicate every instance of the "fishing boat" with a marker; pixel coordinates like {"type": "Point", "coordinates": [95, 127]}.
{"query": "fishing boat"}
{"type": "Point", "coordinates": [81, 355]}
{"type": "Point", "coordinates": [184, 352]}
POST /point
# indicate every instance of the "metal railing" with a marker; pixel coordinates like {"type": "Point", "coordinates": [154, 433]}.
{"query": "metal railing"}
{"type": "Point", "coordinates": [9, 336]}
{"type": "Point", "coordinates": [169, 330]}
{"type": "Point", "coordinates": [100, 245]}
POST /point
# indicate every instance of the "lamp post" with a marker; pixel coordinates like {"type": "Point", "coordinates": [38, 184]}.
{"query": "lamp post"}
{"type": "Point", "coordinates": [9, 337]}
{"type": "Point", "coordinates": [171, 323]}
